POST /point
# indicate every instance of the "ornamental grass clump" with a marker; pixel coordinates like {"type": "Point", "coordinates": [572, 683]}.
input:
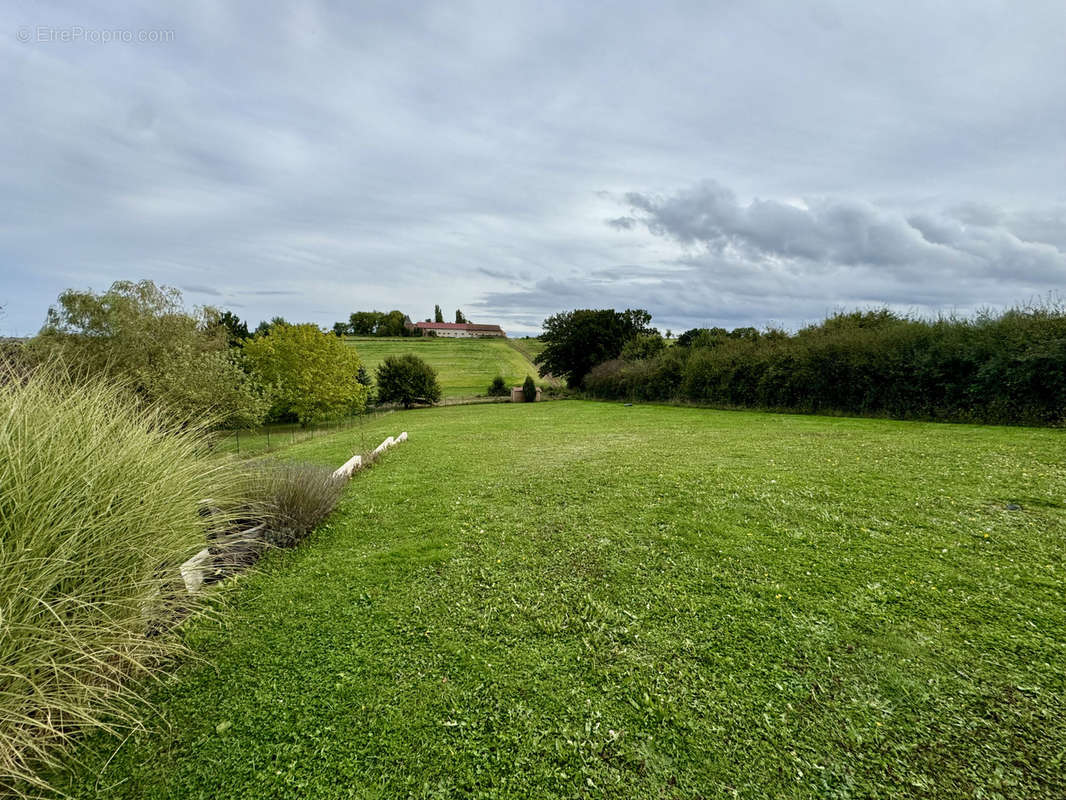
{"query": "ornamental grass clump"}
{"type": "Point", "coordinates": [292, 499]}
{"type": "Point", "coordinates": [100, 503]}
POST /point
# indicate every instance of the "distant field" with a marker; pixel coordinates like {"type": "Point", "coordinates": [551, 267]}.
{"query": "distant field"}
{"type": "Point", "coordinates": [575, 599]}
{"type": "Point", "coordinates": [465, 367]}
{"type": "Point", "coordinates": [530, 347]}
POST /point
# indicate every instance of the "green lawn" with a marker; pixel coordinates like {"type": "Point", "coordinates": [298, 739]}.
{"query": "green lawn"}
{"type": "Point", "coordinates": [577, 599]}
{"type": "Point", "coordinates": [465, 367]}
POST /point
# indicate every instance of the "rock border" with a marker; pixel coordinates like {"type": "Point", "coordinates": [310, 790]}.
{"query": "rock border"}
{"type": "Point", "coordinates": [202, 569]}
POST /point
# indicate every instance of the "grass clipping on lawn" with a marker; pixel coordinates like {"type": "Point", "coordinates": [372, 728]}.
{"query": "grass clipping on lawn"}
{"type": "Point", "coordinates": [99, 504]}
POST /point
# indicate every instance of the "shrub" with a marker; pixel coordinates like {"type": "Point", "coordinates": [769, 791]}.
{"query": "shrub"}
{"type": "Point", "coordinates": [14, 363]}
{"type": "Point", "coordinates": [1009, 368]}
{"type": "Point", "coordinates": [647, 379]}
{"type": "Point", "coordinates": [99, 505]}
{"type": "Point", "coordinates": [642, 346]}
{"type": "Point", "coordinates": [407, 379]}
{"type": "Point", "coordinates": [291, 499]}
{"type": "Point", "coordinates": [313, 375]}
{"type": "Point", "coordinates": [529, 389]}
{"type": "Point", "coordinates": [498, 388]}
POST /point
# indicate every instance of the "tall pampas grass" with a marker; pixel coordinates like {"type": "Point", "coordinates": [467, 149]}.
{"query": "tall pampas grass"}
{"type": "Point", "coordinates": [101, 500]}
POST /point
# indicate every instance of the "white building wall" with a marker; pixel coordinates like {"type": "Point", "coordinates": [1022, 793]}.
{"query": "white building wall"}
{"type": "Point", "coordinates": [452, 333]}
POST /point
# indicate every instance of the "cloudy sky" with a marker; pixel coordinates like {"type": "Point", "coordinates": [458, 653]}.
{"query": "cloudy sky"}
{"type": "Point", "coordinates": [718, 163]}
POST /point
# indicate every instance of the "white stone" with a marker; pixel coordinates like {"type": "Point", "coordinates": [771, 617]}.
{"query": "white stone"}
{"type": "Point", "coordinates": [346, 469]}
{"type": "Point", "coordinates": [192, 571]}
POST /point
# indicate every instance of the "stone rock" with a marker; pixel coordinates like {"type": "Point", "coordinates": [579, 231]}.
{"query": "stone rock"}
{"type": "Point", "coordinates": [235, 552]}
{"type": "Point", "coordinates": [346, 469]}
{"type": "Point", "coordinates": [1013, 507]}
{"type": "Point", "coordinates": [193, 571]}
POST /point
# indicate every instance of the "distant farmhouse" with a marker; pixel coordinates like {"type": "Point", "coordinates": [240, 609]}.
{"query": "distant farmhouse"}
{"type": "Point", "coordinates": [460, 330]}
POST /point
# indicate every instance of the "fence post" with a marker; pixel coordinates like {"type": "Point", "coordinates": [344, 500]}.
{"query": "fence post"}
{"type": "Point", "coordinates": [238, 432]}
{"type": "Point", "coordinates": [268, 437]}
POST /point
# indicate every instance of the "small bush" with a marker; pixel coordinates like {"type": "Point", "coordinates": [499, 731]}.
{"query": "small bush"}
{"type": "Point", "coordinates": [291, 499]}
{"type": "Point", "coordinates": [498, 388]}
{"type": "Point", "coordinates": [407, 379]}
{"type": "Point", "coordinates": [529, 389]}
{"type": "Point", "coordinates": [643, 346]}
{"type": "Point", "coordinates": [100, 501]}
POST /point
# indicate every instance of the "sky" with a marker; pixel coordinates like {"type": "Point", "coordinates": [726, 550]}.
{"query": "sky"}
{"type": "Point", "coordinates": [716, 163]}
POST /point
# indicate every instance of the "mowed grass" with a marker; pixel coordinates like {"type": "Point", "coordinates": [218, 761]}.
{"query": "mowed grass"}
{"type": "Point", "coordinates": [530, 346]}
{"type": "Point", "coordinates": [465, 367]}
{"type": "Point", "coordinates": [577, 599]}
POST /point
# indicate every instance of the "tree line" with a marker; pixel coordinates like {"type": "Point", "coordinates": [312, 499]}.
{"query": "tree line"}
{"type": "Point", "coordinates": [205, 364]}
{"type": "Point", "coordinates": [201, 364]}
{"type": "Point", "coordinates": [1007, 367]}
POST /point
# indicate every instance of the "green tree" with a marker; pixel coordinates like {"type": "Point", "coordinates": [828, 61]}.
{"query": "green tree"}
{"type": "Point", "coordinates": [702, 337]}
{"type": "Point", "coordinates": [207, 385]}
{"type": "Point", "coordinates": [529, 389]}
{"type": "Point", "coordinates": [407, 379]}
{"type": "Point", "coordinates": [341, 329]}
{"type": "Point", "coordinates": [313, 375]}
{"type": "Point", "coordinates": [745, 334]}
{"type": "Point", "coordinates": [438, 315]}
{"type": "Point", "coordinates": [498, 388]}
{"type": "Point", "coordinates": [363, 376]}
{"type": "Point", "coordinates": [459, 318]}
{"type": "Point", "coordinates": [236, 330]}
{"type": "Point", "coordinates": [576, 341]}
{"type": "Point", "coordinates": [140, 334]}
{"type": "Point", "coordinates": [393, 323]}
{"type": "Point", "coordinates": [643, 346]}
{"type": "Point", "coordinates": [364, 323]}
{"type": "Point", "coordinates": [265, 327]}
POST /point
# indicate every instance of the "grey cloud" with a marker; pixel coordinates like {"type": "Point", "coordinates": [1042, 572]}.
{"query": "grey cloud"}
{"type": "Point", "coordinates": [831, 231]}
{"type": "Point", "coordinates": [788, 263]}
{"type": "Point", "coordinates": [977, 214]}
{"type": "Point", "coordinates": [208, 290]}
{"type": "Point", "coordinates": [362, 155]}
{"type": "Point", "coordinates": [501, 275]}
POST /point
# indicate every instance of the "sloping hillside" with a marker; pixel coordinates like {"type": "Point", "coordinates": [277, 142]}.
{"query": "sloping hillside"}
{"type": "Point", "coordinates": [465, 367]}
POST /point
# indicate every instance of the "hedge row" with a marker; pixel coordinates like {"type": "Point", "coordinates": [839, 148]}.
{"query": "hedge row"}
{"type": "Point", "coordinates": [1006, 368]}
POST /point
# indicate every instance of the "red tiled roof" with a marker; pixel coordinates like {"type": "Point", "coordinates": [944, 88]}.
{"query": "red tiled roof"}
{"type": "Point", "coordinates": [457, 326]}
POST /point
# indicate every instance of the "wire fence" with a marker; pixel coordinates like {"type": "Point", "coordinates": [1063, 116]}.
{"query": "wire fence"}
{"type": "Point", "coordinates": [479, 399]}
{"type": "Point", "coordinates": [267, 438]}
{"type": "Point", "coordinates": [248, 442]}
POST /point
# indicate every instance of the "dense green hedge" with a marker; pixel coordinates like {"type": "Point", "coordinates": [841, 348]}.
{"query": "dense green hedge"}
{"type": "Point", "coordinates": [1007, 368]}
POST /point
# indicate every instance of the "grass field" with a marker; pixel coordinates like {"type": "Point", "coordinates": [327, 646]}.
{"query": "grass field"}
{"type": "Point", "coordinates": [530, 347]}
{"type": "Point", "coordinates": [578, 599]}
{"type": "Point", "coordinates": [465, 367]}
